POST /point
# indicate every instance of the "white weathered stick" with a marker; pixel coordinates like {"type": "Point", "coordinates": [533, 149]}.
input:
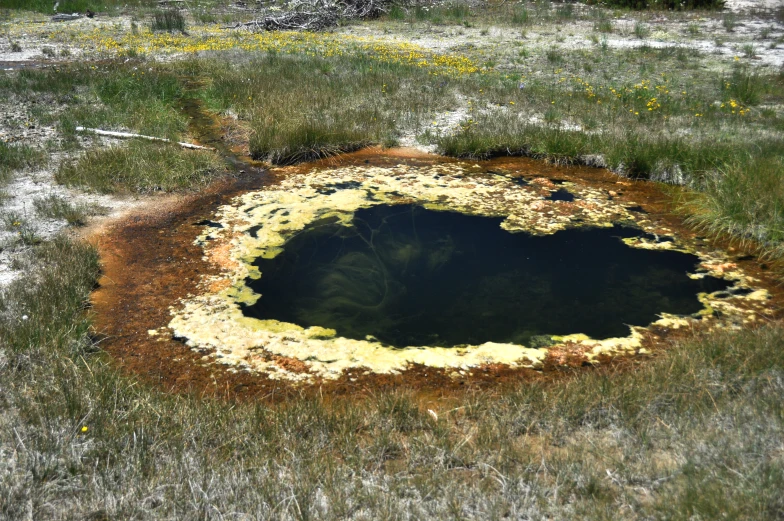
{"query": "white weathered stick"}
{"type": "Point", "coordinates": [65, 17]}
{"type": "Point", "coordinates": [128, 135]}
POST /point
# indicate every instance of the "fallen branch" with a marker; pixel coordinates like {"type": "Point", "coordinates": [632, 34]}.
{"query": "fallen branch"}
{"type": "Point", "coordinates": [315, 15]}
{"type": "Point", "coordinates": [65, 17]}
{"type": "Point", "coordinates": [129, 135]}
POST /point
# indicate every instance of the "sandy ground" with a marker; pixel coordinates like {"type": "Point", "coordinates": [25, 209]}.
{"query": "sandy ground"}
{"type": "Point", "coordinates": [37, 184]}
{"type": "Point", "coordinates": [29, 185]}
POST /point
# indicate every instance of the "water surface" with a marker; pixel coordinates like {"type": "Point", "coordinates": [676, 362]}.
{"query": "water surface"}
{"type": "Point", "coordinates": [409, 276]}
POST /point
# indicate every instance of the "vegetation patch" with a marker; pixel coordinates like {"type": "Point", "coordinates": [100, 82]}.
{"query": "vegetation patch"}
{"type": "Point", "coordinates": [141, 167]}
{"type": "Point", "coordinates": [23, 230]}
{"type": "Point", "coordinates": [108, 42]}
{"type": "Point", "coordinates": [56, 207]}
{"type": "Point", "coordinates": [300, 108]}
{"type": "Point", "coordinates": [16, 157]}
{"type": "Point", "coordinates": [693, 433]}
{"type": "Point", "coordinates": [115, 97]}
{"type": "Point", "coordinates": [73, 6]}
{"type": "Point", "coordinates": [169, 20]}
{"type": "Point", "coordinates": [742, 199]}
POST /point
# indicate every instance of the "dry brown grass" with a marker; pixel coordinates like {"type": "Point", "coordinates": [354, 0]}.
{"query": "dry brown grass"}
{"type": "Point", "coordinates": [694, 433]}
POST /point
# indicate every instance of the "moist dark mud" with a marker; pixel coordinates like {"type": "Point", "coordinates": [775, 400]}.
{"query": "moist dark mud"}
{"type": "Point", "coordinates": [408, 276]}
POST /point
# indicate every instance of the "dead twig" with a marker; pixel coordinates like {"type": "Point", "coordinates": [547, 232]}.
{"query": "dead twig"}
{"type": "Point", "coordinates": [130, 135]}
{"type": "Point", "coordinates": [65, 17]}
{"type": "Point", "coordinates": [315, 15]}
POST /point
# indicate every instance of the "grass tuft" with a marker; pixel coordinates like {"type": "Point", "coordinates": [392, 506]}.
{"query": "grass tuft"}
{"type": "Point", "coordinates": [56, 207]}
{"type": "Point", "coordinates": [141, 167]}
{"type": "Point", "coordinates": [742, 199]}
{"type": "Point", "coordinates": [604, 26]}
{"type": "Point", "coordinates": [520, 16]}
{"type": "Point", "coordinates": [396, 12]}
{"type": "Point", "coordinates": [16, 157]}
{"type": "Point", "coordinates": [729, 21]}
{"type": "Point", "coordinates": [285, 144]}
{"type": "Point", "coordinates": [641, 30]}
{"type": "Point", "coordinates": [743, 85]}
{"type": "Point", "coordinates": [169, 20]}
{"type": "Point", "coordinates": [300, 108]}
{"type": "Point", "coordinates": [24, 231]}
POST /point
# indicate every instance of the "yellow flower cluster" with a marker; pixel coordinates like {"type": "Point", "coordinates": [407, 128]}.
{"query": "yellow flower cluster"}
{"type": "Point", "coordinates": [111, 41]}
{"type": "Point", "coordinates": [735, 108]}
{"type": "Point", "coordinates": [633, 97]}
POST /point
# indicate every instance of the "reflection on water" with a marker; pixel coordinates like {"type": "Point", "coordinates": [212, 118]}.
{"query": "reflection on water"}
{"type": "Point", "coordinates": [409, 276]}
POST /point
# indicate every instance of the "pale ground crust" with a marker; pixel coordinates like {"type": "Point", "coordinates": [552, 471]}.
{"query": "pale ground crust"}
{"type": "Point", "coordinates": [213, 323]}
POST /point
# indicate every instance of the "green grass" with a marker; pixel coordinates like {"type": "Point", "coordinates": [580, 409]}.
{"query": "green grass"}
{"type": "Point", "coordinates": [114, 96]}
{"type": "Point", "coordinates": [692, 433]}
{"type": "Point", "coordinates": [647, 119]}
{"type": "Point", "coordinates": [288, 142]}
{"type": "Point", "coordinates": [396, 12]}
{"type": "Point", "coordinates": [16, 157]}
{"type": "Point", "coordinates": [745, 86]}
{"type": "Point", "coordinates": [170, 20]}
{"type": "Point", "coordinates": [469, 14]}
{"type": "Point", "coordinates": [141, 167]}
{"type": "Point", "coordinates": [520, 16]}
{"type": "Point", "coordinates": [742, 199]}
{"type": "Point", "coordinates": [737, 185]}
{"type": "Point", "coordinates": [565, 12]}
{"type": "Point", "coordinates": [604, 26]}
{"type": "Point", "coordinates": [56, 207]}
{"type": "Point", "coordinates": [641, 30]}
{"type": "Point", "coordinates": [455, 12]}
{"type": "Point", "coordinates": [301, 108]}
{"type": "Point", "coordinates": [23, 230]}
{"type": "Point", "coordinates": [296, 108]}
{"type": "Point", "coordinates": [73, 6]}
{"type": "Point", "coordinates": [729, 21]}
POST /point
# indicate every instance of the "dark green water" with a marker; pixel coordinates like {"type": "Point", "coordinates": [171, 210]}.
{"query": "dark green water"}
{"type": "Point", "coordinates": [410, 276]}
